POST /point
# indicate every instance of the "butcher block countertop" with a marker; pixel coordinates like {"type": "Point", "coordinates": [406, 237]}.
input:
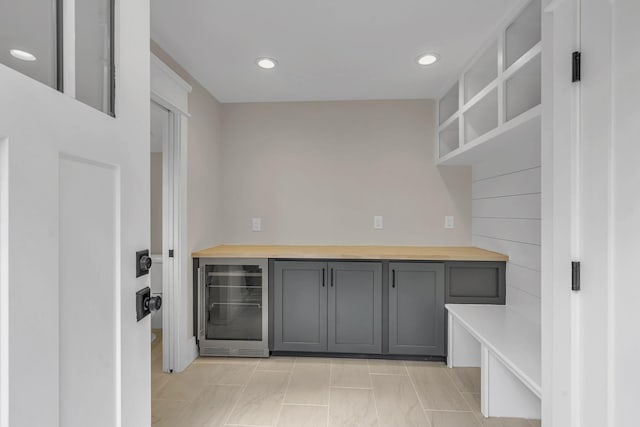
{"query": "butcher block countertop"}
{"type": "Point", "coordinates": [422, 253]}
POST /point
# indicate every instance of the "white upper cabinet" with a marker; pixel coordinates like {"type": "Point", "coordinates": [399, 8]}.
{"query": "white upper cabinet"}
{"type": "Point", "coordinates": [522, 34]}
{"type": "Point", "coordinates": [448, 104]}
{"type": "Point", "coordinates": [495, 102]}
{"type": "Point", "coordinates": [483, 71]}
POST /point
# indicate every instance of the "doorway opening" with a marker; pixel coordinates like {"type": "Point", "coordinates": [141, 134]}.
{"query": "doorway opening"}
{"type": "Point", "coordinates": [175, 343]}
{"type": "Point", "coordinates": [160, 141]}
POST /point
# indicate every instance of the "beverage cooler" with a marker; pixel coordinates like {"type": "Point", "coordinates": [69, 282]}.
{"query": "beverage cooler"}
{"type": "Point", "coordinates": [233, 307]}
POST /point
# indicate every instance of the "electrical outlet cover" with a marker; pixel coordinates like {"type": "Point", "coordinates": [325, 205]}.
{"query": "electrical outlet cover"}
{"type": "Point", "coordinates": [448, 222]}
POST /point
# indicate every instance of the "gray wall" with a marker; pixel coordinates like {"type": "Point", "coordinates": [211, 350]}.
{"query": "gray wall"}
{"type": "Point", "coordinates": [317, 173]}
{"type": "Point", "coordinates": [507, 219]}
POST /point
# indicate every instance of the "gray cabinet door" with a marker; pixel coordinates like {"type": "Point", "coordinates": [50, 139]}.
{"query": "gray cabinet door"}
{"type": "Point", "coordinates": [416, 308]}
{"type": "Point", "coordinates": [300, 306]}
{"type": "Point", "coordinates": [355, 307]}
{"type": "Point", "coordinates": [474, 282]}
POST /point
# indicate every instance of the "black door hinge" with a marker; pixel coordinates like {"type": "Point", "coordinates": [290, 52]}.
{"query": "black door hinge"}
{"type": "Point", "coordinates": [575, 275]}
{"type": "Point", "coordinates": [170, 253]}
{"type": "Point", "coordinates": [576, 64]}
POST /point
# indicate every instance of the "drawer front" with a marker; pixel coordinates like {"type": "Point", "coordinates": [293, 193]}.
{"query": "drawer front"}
{"type": "Point", "coordinates": [475, 283]}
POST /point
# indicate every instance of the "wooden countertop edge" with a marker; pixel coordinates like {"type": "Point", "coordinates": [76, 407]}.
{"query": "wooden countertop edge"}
{"type": "Point", "coordinates": [412, 253]}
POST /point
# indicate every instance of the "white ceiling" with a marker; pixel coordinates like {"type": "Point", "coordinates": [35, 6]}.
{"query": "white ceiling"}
{"type": "Point", "coordinates": [326, 49]}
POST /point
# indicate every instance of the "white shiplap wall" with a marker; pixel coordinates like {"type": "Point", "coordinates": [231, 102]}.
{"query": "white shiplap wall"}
{"type": "Point", "coordinates": [507, 218]}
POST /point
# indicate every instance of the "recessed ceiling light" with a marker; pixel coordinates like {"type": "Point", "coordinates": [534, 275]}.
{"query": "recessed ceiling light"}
{"type": "Point", "coordinates": [428, 59]}
{"type": "Point", "coordinates": [22, 55]}
{"type": "Point", "coordinates": [266, 63]}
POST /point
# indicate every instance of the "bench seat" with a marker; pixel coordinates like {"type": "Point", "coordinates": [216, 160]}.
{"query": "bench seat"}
{"type": "Point", "coordinates": [507, 348]}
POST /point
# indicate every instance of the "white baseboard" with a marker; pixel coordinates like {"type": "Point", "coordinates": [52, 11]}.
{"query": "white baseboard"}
{"type": "Point", "coordinates": [189, 354]}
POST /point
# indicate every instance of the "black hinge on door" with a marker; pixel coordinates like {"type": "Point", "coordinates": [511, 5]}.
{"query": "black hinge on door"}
{"type": "Point", "coordinates": [576, 63]}
{"type": "Point", "coordinates": [170, 253]}
{"type": "Point", "coordinates": [575, 275]}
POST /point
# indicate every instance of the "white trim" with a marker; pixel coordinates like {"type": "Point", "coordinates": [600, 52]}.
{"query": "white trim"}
{"type": "Point", "coordinates": [4, 283]}
{"type": "Point", "coordinates": [521, 62]}
{"type": "Point", "coordinates": [158, 65]}
{"type": "Point", "coordinates": [69, 47]}
{"type": "Point", "coordinates": [168, 105]}
{"type": "Point", "coordinates": [559, 306]}
{"type": "Point", "coordinates": [171, 92]}
{"type": "Point", "coordinates": [448, 122]}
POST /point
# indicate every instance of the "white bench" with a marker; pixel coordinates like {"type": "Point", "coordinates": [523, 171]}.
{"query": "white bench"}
{"type": "Point", "coordinates": [506, 346]}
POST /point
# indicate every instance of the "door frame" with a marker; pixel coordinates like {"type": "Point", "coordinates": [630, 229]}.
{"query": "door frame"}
{"type": "Point", "coordinates": [171, 92]}
{"type": "Point", "coordinates": [4, 283]}
{"type": "Point", "coordinates": [560, 213]}
{"type": "Point", "coordinates": [578, 215]}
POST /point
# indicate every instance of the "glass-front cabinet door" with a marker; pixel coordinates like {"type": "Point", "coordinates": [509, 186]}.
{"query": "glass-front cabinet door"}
{"type": "Point", "coordinates": [234, 302]}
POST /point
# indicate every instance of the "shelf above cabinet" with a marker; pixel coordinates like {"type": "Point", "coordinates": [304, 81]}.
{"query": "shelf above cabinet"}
{"type": "Point", "coordinates": [499, 95]}
{"type": "Point", "coordinates": [448, 105]}
{"type": "Point", "coordinates": [504, 141]}
{"type": "Point", "coordinates": [449, 138]}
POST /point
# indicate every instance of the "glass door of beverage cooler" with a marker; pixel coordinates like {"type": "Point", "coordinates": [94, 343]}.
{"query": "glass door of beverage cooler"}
{"type": "Point", "coordinates": [234, 306]}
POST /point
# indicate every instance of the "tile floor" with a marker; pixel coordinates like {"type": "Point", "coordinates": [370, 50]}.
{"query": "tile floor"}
{"type": "Point", "coordinates": [300, 391]}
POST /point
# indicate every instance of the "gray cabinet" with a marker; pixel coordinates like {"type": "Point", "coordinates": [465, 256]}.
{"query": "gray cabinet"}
{"type": "Point", "coordinates": [416, 308]}
{"type": "Point", "coordinates": [300, 306]}
{"type": "Point", "coordinates": [355, 307]}
{"type": "Point", "coordinates": [472, 282]}
{"type": "Point", "coordinates": [335, 307]}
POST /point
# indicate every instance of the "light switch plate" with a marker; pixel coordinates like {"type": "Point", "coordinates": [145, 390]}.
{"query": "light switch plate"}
{"type": "Point", "coordinates": [377, 222]}
{"type": "Point", "coordinates": [448, 222]}
{"type": "Point", "coordinates": [256, 224]}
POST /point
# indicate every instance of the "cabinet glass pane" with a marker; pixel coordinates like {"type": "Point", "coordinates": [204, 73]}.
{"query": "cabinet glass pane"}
{"type": "Point", "coordinates": [482, 117]}
{"type": "Point", "coordinates": [233, 302]}
{"type": "Point", "coordinates": [30, 27]}
{"type": "Point", "coordinates": [483, 72]}
{"type": "Point", "coordinates": [524, 33]}
{"type": "Point", "coordinates": [523, 89]}
{"type": "Point", "coordinates": [94, 53]}
{"type": "Point", "coordinates": [449, 139]}
{"type": "Point", "coordinates": [448, 105]}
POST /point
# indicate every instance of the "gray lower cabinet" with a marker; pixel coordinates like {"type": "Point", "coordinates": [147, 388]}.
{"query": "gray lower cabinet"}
{"type": "Point", "coordinates": [355, 307]}
{"type": "Point", "coordinates": [300, 306]}
{"type": "Point", "coordinates": [416, 309]}
{"type": "Point", "coordinates": [471, 282]}
{"type": "Point", "coordinates": [335, 306]}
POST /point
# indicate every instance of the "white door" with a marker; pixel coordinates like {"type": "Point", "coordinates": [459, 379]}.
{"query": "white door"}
{"type": "Point", "coordinates": [74, 209]}
{"type": "Point", "coordinates": [591, 336]}
{"type": "Point", "coordinates": [624, 341]}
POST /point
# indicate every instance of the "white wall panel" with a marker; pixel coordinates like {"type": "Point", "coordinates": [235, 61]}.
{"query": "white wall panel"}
{"type": "Point", "coordinates": [523, 278]}
{"type": "Point", "coordinates": [511, 184]}
{"type": "Point", "coordinates": [514, 229]}
{"type": "Point", "coordinates": [525, 303]}
{"type": "Point", "coordinates": [506, 218]}
{"type": "Point", "coordinates": [521, 206]}
{"type": "Point", "coordinates": [526, 157]}
{"type": "Point", "coordinates": [526, 255]}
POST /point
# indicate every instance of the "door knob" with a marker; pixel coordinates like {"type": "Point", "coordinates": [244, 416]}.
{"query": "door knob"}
{"type": "Point", "coordinates": [145, 303]}
{"type": "Point", "coordinates": [154, 303]}
{"type": "Point", "coordinates": [143, 263]}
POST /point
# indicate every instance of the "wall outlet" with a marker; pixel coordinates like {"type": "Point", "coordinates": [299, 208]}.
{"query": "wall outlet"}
{"type": "Point", "coordinates": [377, 222]}
{"type": "Point", "coordinates": [256, 224]}
{"type": "Point", "coordinates": [448, 222]}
